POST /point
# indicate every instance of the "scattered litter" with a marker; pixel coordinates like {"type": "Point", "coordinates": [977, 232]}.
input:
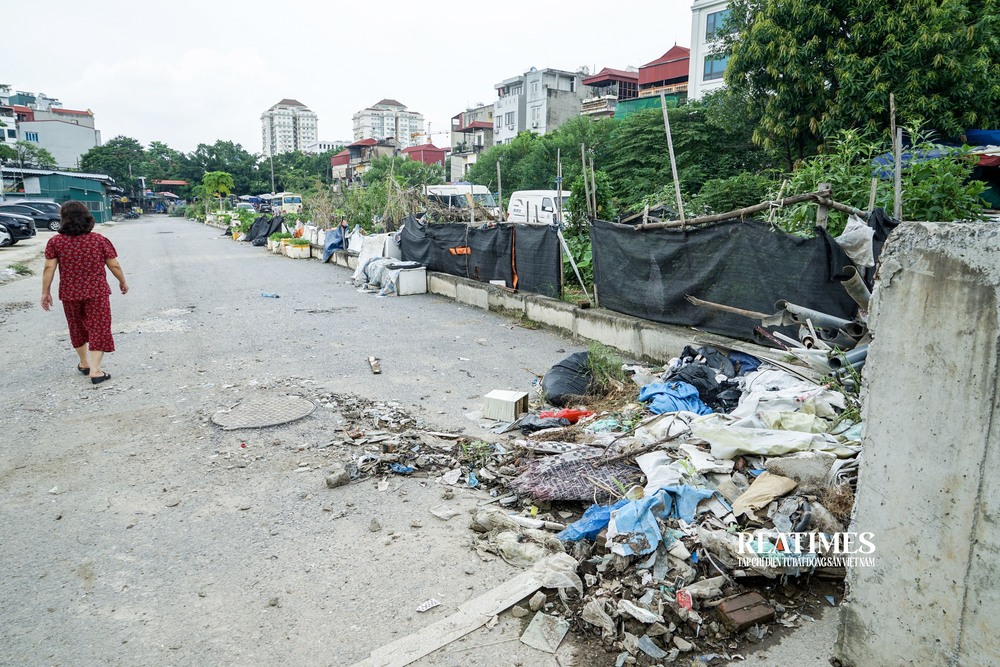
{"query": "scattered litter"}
{"type": "Point", "coordinates": [545, 632]}
{"type": "Point", "coordinates": [376, 367]}
{"type": "Point", "coordinates": [429, 604]}
{"type": "Point", "coordinates": [444, 512]}
{"type": "Point", "coordinates": [269, 295]}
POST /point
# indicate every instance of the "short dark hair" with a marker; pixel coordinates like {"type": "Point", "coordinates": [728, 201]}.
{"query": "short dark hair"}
{"type": "Point", "coordinates": [75, 219]}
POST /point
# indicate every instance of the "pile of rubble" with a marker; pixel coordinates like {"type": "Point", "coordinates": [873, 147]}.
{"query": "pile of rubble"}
{"type": "Point", "coordinates": [706, 522]}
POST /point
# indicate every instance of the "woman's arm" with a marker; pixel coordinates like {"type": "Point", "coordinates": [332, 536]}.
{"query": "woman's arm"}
{"type": "Point", "coordinates": [47, 275]}
{"type": "Point", "coordinates": [116, 269]}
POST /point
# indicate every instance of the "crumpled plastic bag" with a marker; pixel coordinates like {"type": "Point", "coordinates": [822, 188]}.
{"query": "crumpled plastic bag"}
{"type": "Point", "coordinates": [856, 241]}
{"type": "Point", "coordinates": [764, 489]}
{"type": "Point", "coordinates": [634, 529]}
{"type": "Point", "coordinates": [728, 440]}
{"type": "Point", "coordinates": [559, 571]}
{"type": "Point", "coordinates": [593, 521]}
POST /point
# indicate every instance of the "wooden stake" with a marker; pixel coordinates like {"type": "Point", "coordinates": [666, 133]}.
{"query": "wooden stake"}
{"type": "Point", "coordinates": [586, 182]}
{"type": "Point", "coordinates": [500, 192]}
{"type": "Point", "coordinates": [897, 185]}
{"type": "Point", "coordinates": [673, 163]}
{"type": "Point", "coordinates": [781, 191]}
{"type": "Point", "coordinates": [871, 195]}
{"type": "Point", "coordinates": [823, 213]}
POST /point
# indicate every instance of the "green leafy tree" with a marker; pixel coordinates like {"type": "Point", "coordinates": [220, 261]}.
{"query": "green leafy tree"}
{"type": "Point", "coordinates": [809, 70]}
{"type": "Point", "coordinates": [27, 154]}
{"type": "Point", "coordinates": [122, 158]}
{"type": "Point", "coordinates": [218, 184]}
{"type": "Point", "coordinates": [229, 157]}
{"type": "Point", "coordinates": [937, 188]}
{"type": "Point", "coordinates": [408, 173]}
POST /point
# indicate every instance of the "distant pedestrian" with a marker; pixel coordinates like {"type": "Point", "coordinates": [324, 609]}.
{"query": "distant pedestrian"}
{"type": "Point", "coordinates": [81, 256]}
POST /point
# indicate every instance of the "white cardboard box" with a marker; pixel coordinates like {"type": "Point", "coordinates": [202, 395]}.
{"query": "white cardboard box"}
{"type": "Point", "coordinates": [505, 406]}
{"type": "Point", "coordinates": [412, 281]}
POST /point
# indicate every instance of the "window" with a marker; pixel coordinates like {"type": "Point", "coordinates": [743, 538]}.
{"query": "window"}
{"type": "Point", "coordinates": [715, 67]}
{"type": "Point", "coordinates": [534, 86]}
{"type": "Point", "coordinates": [510, 118]}
{"type": "Point", "coordinates": [12, 134]}
{"type": "Point", "coordinates": [535, 114]}
{"type": "Point", "coordinates": [714, 23]}
{"type": "Point", "coordinates": [31, 136]}
{"type": "Point", "coordinates": [95, 206]}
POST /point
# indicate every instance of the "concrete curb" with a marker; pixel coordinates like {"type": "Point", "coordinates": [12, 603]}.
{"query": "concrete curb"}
{"type": "Point", "coordinates": [635, 336]}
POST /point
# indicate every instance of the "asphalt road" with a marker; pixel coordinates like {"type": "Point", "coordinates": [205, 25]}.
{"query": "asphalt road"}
{"type": "Point", "coordinates": [135, 532]}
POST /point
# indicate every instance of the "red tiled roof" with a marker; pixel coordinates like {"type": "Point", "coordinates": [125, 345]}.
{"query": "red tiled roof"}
{"type": "Point", "coordinates": [424, 147]}
{"type": "Point", "coordinates": [21, 109]}
{"type": "Point", "coordinates": [610, 73]}
{"type": "Point", "coordinates": [477, 125]}
{"type": "Point", "coordinates": [365, 142]}
{"type": "Point", "coordinates": [389, 102]}
{"type": "Point", "coordinates": [75, 112]}
{"type": "Point", "coordinates": [343, 157]}
{"type": "Point", "coordinates": [168, 181]}
{"type": "Point", "coordinates": [289, 103]}
{"type": "Point", "coordinates": [675, 53]}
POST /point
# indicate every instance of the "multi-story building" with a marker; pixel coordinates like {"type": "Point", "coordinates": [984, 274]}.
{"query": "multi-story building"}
{"type": "Point", "coordinates": [706, 68]}
{"type": "Point", "coordinates": [288, 126]}
{"type": "Point", "coordinates": [538, 100]}
{"type": "Point", "coordinates": [41, 120]}
{"type": "Point", "coordinates": [607, 88]}
{"type": "Point", "coordinates": [388, 119]}
{"type": "Point", "coordinates": [471, 134]}
{"type": "Point", "coordinates": [323, 146]}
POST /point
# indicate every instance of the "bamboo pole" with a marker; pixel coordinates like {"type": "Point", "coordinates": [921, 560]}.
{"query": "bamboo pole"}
{"type": "Point", "coordinates": [593, 186]}
{"type": "Point", "coordinates": [752, 314]}
{"type": "Point", "coordinates": [586, 184]}
{"type": "Point", "coordinates": [500, 192]}
{"type": "Point", "coordinates": [897, 186]}
{"type": "Point", "coordinates": [673, 163]}
{"type": "Point", "coordinates": [740, 213]}
{"type": "Point", "coordinates": [871, 195]}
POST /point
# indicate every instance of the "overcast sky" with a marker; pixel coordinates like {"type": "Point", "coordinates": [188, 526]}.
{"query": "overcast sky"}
{"type": "Point", "coordinates": [186, 72]}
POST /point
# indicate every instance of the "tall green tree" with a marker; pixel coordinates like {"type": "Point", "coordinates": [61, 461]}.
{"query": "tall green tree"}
{"type": "Point", "coordinates": [122, 158]}
{"type": "Point", "coordinates": [810, 69]}
{"type": "Point", "coordinates": [218, 184]}
{"type": "Point", "coordinates": [27, 154]}
{"type": "Point", "coordinates": [408, 173]}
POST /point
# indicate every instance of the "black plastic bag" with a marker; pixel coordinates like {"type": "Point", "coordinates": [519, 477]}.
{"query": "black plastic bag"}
{"type": "Point", "coordinates": [568, 379]}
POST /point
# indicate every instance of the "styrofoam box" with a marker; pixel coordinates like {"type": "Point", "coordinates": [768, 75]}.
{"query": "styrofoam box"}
{"type": "Point", "coordinates": [412, 281]}
{"type": "Point", "coordinates": [505, 406]}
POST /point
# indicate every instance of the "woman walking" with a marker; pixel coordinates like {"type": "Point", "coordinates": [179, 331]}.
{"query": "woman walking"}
{"type": "Point", "coordinates": [81, 256]}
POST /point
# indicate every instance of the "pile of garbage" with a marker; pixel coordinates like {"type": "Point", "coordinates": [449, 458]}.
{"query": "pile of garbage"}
{"type": "Point", "coordinates": [727, 479]}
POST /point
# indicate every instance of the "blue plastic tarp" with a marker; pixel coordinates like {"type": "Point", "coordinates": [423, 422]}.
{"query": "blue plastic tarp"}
{"type": "Point", "coordinates": [333, 241]}
{"type": "Point", "coordinates": [634, 528]}
{"type": "Point", "coordinates": [673, 397]}
{"type": "Point", "coordinates": [593, 521]}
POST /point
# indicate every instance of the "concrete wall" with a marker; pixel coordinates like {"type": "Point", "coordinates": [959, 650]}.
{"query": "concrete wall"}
{"type": "Point", "coordinates": [929, 484]}
{"type": "Point", "coordinates": [66, 141]}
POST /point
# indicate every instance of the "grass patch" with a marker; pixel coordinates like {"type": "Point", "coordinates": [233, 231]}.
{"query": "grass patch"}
{"type": "Point", "coordinates": [605, 366]}
{"type": "Point", "coordinates": [20, 269]}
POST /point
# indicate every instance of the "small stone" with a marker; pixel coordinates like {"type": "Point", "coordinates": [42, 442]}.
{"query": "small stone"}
{"type": "Point", "coordinates": [173, 502]}
{"type": "Point", "coordinates": [416, 524]}
{"type": "Point", "coordinates": [374, 526]}
{"type": "Point", "coordinates": [682, 644]}
{"type": "Point", "coordinates": [273, 602]}
{"type": "Point", "coordinates": [656, 629]}
{"type": "Point", "coordinates": [201, 594]}
{"type": "Point", "coordinates": [339, 478]}
{"type": "Point", "coordinates": [518, 611]}
{"type": "Point", "coordinates": [537, 601]}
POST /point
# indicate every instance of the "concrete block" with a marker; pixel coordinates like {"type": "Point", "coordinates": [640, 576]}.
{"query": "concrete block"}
{"type": "Point", "coordinates": [744, 611]}
{"type": "Point", "coordinates": [472, 293]}
{"type": "Point", "coordinates": [928, 490]}
{"type": "Point", "coordinates": [500, 299]}
{"type": "Point", "coordinates": [551, 312]}
{"type": "Point", "coordinates": [442, 284]}
{"type": "Point", "coordinates": [618, 331]}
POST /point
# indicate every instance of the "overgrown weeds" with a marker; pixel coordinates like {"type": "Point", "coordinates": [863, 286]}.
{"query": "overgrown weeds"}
{"type": "Point", "coordinates": [20, 269]}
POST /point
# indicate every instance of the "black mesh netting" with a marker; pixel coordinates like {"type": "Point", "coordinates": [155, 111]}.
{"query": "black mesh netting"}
{"type": "Point", "coordinates": [485, 253]}
{"type": "Point", "coordinates": [744, 264]}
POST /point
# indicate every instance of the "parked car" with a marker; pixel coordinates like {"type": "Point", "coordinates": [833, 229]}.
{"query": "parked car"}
{"type": "Point", "coordinates": [245, 206]}
{"type": "Point", "coordinates": [43, 219]}
{"type": "Point", "coordinates": [19, 227]}
{"type": "Point", "coordinates": [40, 204]}
{"type": "Point", "coordinates": [5, 238]}
{"type": "Point", "coordinates": [536, 206]}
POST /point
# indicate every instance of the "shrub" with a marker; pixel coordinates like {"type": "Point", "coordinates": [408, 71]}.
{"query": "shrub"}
{"type": "Point", "coordinates": [298, 241]}
{"type": "Point", "coordinates": [277, 236]}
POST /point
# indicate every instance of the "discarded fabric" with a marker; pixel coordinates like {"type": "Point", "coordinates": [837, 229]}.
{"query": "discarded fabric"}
{"type": "Point", "coordinates": [633, 528]}
{"type": "Point", "coordinates": [673, 397]}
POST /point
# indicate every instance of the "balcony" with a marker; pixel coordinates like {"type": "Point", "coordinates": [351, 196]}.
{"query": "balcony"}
{"type": "Point", "coordinates": [599, 106]}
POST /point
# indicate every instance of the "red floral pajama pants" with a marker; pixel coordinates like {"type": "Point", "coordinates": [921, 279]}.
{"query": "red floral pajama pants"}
{"type": "Point", "coordinates": [90, 322]}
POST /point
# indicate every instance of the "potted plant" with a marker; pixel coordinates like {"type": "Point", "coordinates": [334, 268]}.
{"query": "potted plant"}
{"type": "Point", "coordinates": [278, 240]}
{"type": "Point", "coordinates": [297, 248]}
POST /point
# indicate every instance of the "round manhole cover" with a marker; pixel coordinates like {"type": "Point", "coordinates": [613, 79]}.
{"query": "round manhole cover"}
{"type": "Point", "coordinates": [261, 411]}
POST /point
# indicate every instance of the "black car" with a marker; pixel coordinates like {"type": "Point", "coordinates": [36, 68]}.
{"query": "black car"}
{"type": "Point", "coordinates": [19, 227]}
{"type": "Point", "coordinates": [43, 219]}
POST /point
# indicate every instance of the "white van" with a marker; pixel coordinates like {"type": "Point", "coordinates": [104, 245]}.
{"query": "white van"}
{"type": "Point", "coordinates": [284, 203]}
{"type": "Point", "coordinates": [536, 206]}
{"type": "Point", "coordinates": [461, 195]}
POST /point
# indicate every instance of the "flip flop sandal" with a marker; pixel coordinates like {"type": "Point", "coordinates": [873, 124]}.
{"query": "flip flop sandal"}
{"type": "Point", "coordinates": [85, 371]}
{"type": "Point", "coordinates": [102, 378]}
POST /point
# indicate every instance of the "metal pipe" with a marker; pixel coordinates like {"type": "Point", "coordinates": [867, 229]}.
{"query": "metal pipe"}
{"type": "Point", "coordinates": [848, 358]}
{"type": "Point", "coordinates": [800, 315]}
{"type": "Point", "coordinates": [856, 287]}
